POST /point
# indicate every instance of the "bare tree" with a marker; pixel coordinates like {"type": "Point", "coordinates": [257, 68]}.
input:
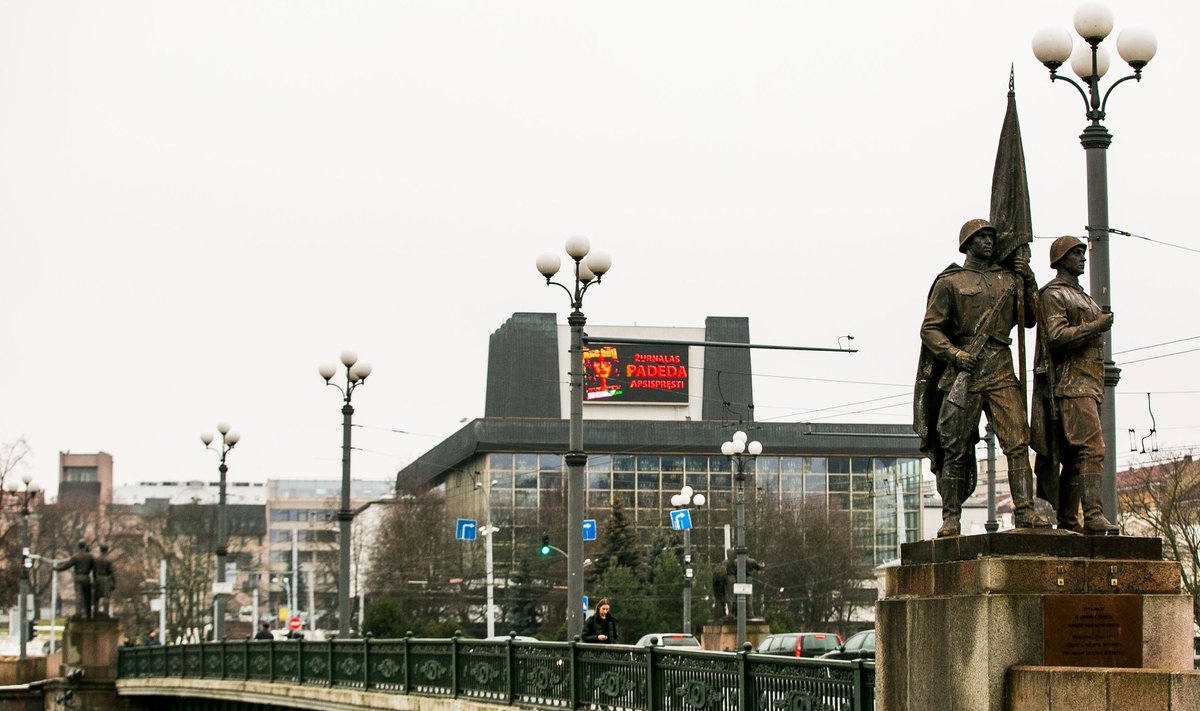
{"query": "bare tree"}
{"type": "Point", "coordinates": [814, 571]}
{"type": "Point", "coordinates": [1163, 500]}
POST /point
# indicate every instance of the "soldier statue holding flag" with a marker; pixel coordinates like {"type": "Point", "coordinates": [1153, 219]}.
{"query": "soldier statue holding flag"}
{"type": "Point", "coordinates": [966, 364]}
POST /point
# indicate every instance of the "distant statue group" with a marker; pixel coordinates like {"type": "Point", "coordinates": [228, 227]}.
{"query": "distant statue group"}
{"type": "Point", "coordinates": [966, 370]}
{"type": "Point", "coordinates": [94, 580]}
{"type": "Point", "coordinates": [724, 575]}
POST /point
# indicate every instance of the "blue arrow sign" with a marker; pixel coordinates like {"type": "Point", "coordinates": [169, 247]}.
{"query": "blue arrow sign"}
{"type": "Point", "coordinates": [681, 520]}
{"type": "Point", "coordinates": [464, 529]}
{"type": "Point", "coordinates": [585, 604]}
{"type": "Point", "coordinates": [589, 529]}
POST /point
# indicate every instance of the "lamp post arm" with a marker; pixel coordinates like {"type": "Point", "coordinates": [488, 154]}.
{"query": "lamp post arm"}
{"type": "Point", "coordinates": [583, 287]}
{"type": "Point", "coordinates": [345, 394]}
{"type": "Point", "coordinates": [570, 294]}
{"type": "Point", "coordinates": [1137, 75]}
{"type": "Point", "coordinates": [1055, 76]}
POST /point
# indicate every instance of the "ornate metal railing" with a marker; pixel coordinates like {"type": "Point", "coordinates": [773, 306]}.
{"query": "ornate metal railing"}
{"type": "Point", "coordinates": [542, 674]}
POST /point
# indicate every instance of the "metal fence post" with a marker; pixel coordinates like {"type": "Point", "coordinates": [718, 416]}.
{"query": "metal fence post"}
{"type": "Point", "coordinates": [367, 661]}
{"type": "Point", "coordinates": [407, 659]}
{"type": "Point", "coordinates": [510, 667]}
{"type": "Point", "coordinates": [454, 641]}
{"type": "Point", "coordinates": [573, 671]}
{"type": "Point", "coordinates": [743, 657]}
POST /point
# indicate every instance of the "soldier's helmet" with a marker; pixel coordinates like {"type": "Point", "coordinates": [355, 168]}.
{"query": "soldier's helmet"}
{"type": "Point", "coordinates": [970, 229]}
{"type": "Point", "coordinates": [1061, 246]}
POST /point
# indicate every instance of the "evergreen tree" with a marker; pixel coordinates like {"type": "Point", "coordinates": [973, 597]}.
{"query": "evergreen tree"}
{"type": "Point", "coordinates": [620, 545]}
{"type": "Point", "coordinates": [667, 586]}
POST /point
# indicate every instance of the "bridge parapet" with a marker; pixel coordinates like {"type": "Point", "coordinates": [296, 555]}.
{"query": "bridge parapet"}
{"type": "Point", "coordinates": [496, 673]}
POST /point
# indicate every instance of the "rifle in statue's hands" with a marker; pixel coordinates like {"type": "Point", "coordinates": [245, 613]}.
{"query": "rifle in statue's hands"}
{"type": "Point", "coordinates": [958, 391]}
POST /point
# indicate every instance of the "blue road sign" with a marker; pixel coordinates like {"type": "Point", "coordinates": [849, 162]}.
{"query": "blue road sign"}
{"type": "Point", "coordinates": [589, 531]}
{"type": "Point", "coordinates": [464, 529]}
{"type": "Point", "coordinates": [585, 603]}
{"type": "Point", "coordinates": [681, 520]}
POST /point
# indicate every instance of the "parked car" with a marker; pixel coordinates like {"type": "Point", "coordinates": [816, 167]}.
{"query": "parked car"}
{"type": "Point", "coordinates": [515, 638]}
{"type": "Point", "coordinates": [860, 645]}
{"type": "Point", "coordinates": [668, 639]}
{"type": "Point", "coordinates": [800, 644]}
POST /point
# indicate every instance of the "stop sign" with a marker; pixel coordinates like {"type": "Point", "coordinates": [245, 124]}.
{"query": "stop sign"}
{"type": "Point", "coordinates": [295, 624]}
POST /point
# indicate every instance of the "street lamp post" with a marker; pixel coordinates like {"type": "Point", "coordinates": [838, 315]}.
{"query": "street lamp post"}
{"type": "Point", "coordinates": [1136, 45]}
{"type": "Point", "coordinates": [740, 453]}
{"type": "Point", "coordinates": [687, 498]}
{"type": "Point", "coordinates": [287, 593]}
{"type": "Point", "coordinates": [587, 272]}
{"type": "Point", "coordinates": [228, 441]}
{"type": "Point", "coordinates": [488, 532]}
{"type": "Point", "coordinates": [26, 495]}
{"type": "Point", "coordinates": [356, 374]}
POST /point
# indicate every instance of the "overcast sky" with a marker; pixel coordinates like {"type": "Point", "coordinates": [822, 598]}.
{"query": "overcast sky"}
{"type": "Point", "coordinates": [200, 202]}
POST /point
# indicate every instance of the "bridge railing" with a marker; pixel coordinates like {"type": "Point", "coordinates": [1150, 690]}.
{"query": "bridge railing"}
{"type": "Point", "coordinates": [546, 674]}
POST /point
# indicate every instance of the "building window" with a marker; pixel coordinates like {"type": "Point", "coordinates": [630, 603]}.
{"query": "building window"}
{"type": "Point", "coordinates": [81, 474]}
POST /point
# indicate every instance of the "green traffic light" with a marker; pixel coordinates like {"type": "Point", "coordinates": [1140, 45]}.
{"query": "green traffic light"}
{"type": "Point", "coordinates": [545, 549]}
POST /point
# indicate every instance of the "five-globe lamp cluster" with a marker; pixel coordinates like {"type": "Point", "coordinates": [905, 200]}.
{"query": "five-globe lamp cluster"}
{"type": "Point", "coordinates": [1089, 61]}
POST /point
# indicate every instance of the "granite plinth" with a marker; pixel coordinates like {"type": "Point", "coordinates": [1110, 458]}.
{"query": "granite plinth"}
{"type": "Point", "coordinates": [1030, 542]}
{"type": "Point", "coordinates": [959, 612]}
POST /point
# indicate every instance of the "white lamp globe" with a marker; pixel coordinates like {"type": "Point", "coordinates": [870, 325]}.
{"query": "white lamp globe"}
{"type": "Point", "coordinates": [35, 488]}
{"type": "Point", "coordinates": [727, 449]}
{"type": "Point", "coordinates": [1093, 20]}
{"type": "Point", "coordinates": [233, 438]}
{"type": "Point", "coordinates": [11, 486]}
{"type": "Point", "coordinates": [599, 262]}
{"type": "Point", "coordinates": [1137, 46]}
{"type": "Point", "coordinates": [699, 499]}
{"type": "Point", "coordinates": [223, 427]}
{"type": "Point", "coordinates": [677, 501]}
{"type": "Point", "coordinates": [1081, 62]}
{"type": "Point", "coordinates": [361, 370]}
{"type": "Point", "coordinates": [327, 371]}
{"type": "Point", "coordinates": [755, 448]}
{"type": "Point", "coordinates": [577, 247]}
{"type": "Point", "coordinates": [686, 492]}
{"type": "Point", "coordinates": [739, 446]}
{"type": "Point", "coordinates": [739, 436]}
{"type": "Point", "coordinates": [1052, 45]}
{"type": "Point", "coordinates": [349, 358]}
{"type": "Point", "coordinates": [585, 275]}
{"type": "Point", "coordinates": [548, 264]}
{"type": "Point", "coordinates": [206, 438]}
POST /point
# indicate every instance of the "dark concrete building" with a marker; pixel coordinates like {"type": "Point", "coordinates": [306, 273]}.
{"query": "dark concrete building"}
{"type": "Point", "coordinates": [654, 419]}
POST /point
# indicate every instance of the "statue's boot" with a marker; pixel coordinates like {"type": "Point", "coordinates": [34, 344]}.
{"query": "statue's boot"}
{"type": "Point", "coordinates": [1020, 482]}
{"type": "Point", "coordinates": [951, 489]}
{"type": "Point", "coordinates": [1094, 522]}
{"type": "Point", "coordinates": [1070, 492]}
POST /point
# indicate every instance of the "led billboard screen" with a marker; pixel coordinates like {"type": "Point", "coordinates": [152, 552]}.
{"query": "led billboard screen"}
{"type": "Point", "coordinates": [635, 373]}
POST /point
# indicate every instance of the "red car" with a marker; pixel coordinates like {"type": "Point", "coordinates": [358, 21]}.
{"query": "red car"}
{"type": "Point", "coordinates": [800, 644]}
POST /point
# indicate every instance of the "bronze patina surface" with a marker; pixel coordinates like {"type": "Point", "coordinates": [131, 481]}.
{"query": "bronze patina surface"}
{"type": "Point", "coordinates": [1093, 631]}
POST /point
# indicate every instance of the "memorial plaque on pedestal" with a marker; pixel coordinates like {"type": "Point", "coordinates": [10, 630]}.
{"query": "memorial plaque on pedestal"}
{"type": "Point", "coordinates": [1092, 631]}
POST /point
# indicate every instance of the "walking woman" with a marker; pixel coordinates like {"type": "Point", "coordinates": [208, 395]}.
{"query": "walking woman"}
{"type": "Point", "coordinates": [601, 628]}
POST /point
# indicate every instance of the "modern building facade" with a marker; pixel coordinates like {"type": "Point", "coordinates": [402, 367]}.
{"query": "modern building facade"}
{"type": "Point", "coordinates": [655, 416]}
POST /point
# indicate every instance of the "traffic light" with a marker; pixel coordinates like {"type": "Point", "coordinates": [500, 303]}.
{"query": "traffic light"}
{"type": "Point", "coordinates": [545, 549]}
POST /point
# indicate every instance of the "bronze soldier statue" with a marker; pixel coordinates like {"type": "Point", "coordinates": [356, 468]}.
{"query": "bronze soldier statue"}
{"type": "Point", "coordinates": [1067, 388]}
{"type": "Point", "coordinates": [724, 575]}
{"type": "Point", "coordinates": [103, 582]}
{"type": "Point", "coordinates": [966, 369]}
{"type": "Point", "coordinates": [82, 562]}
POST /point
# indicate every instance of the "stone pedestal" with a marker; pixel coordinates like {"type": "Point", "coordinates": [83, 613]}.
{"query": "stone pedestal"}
{"type": "Point", "coordinates": [960, 611]}
{"type": "Point", "coordinates": [91, 645]}
{"type": "Point", "coordinates": [721, 635]}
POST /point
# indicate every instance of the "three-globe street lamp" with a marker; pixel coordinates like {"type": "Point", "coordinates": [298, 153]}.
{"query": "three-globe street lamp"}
{"type": "Point", "coordinates": [229, 439]}
{"type": "Point", "coordinates": [26, 495]}
{"type": "Point", "coordinates": [740, 453]}
{"type": "Point", "coordinates": [1136, 45]}
{"type": "Point", "coordinates": [356, 374]}
{"type": "Point", "coordinates": [687, 498]}
{"type": "Point", "coordinates": [589, 269]}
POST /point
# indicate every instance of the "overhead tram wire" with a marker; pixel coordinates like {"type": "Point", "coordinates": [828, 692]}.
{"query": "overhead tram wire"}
{"type": "Point", "coordinates": [1123, 233]}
